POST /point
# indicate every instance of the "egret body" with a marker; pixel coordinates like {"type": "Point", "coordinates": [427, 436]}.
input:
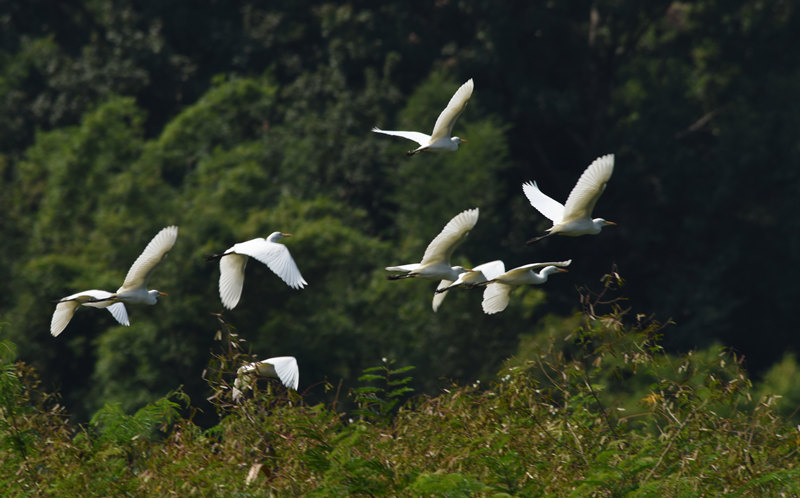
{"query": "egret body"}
{"type": "Point", "coordinates": [439, 140]}
{"type": "Point", "coordinates": [574, 218]}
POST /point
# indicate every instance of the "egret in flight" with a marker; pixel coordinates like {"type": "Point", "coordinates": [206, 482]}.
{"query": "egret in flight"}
{"type": "Point", "coordinates": [439, 140]}
{"type": "Point", "coordinates": [435, 264]}
{"type": "Point", "coordinates": [575, 217]}
{"type": "Point", "coordinates": [283, 368]}
{"type": "Point", "coordinates": [496, 294]}
{"type": "Point", "coordinates": [268, 251]}
{"type": "Point", "coordinates": [469, 279]}
{"type": "Point", "coordinates": [133, 290]}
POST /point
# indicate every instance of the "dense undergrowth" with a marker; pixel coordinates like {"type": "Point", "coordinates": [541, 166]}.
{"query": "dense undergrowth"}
{"type": "Point", "coordinates": [599, 409]}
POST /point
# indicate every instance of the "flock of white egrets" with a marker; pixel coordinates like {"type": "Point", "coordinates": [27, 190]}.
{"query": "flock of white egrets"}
{"type": "Point", "coordinates": [572, 218]}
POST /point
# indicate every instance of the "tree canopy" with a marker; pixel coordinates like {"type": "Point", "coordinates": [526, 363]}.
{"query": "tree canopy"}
{"type": "Point", "coordinates": [236, 119]}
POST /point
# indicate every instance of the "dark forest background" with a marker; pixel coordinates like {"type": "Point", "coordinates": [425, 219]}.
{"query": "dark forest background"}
{"type": "Point", "coordinates": [233, 119]}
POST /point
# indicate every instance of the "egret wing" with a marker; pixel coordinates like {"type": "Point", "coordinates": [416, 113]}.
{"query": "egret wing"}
{"type": "Point", "coordinates": [66, 307]}
{"type": "Point", "coordinates": [453, 234]}
{"type": "Point", "coordinates": [152, 255]}
{"type": "Point", "coordinates": [490, 271]}
{"type": "Point", "coordinates": [276, 257]}
{"type": "Point", "coordinates": [549, 207]}
{"type": "Point", "coordinates": [119, 313]}
{"type": "Point", "coordinates": [285, 368]}
{"type": "Point", "coordinates": [438, 297]}
{"type": "Point", "coordinates": [408, 267]}
{"type": "Point", "coordinates": [62, 316]}
{"type": "Point", "coordinates": [495, 298]}
{"type": "Point", "coordinates": [534, 266]}
{"type": "Point", "coordinates": [444, 123]}
{"type": "Point", "coordinates": [415, 136]}
{"type": "Point", "coordinates": [590, 186]}
{"type": "Point", "coordinates": [479, 274]}
{"type": "Point", "coordinates": [231, 278]}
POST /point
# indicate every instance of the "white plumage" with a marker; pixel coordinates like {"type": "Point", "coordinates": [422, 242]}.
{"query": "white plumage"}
{"type": "Point", "coordinates": [498, 290]}
{"type": "Point", "coordinates": [575, 216]}
{"type": "Point", "coordinates": [133, 290]}
{"type": "Point", "coordinates": [267, 251]}
{"type": "Point", "coordinates": [479, 274]}
{"type": "Point", "coordinates": [439, 140]}
{"type": "Point", "coordinates": [283, 368]}
{"type": "Point", "coordinates": [435, 264]}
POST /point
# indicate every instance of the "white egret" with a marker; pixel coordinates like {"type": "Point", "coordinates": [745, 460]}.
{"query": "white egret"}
{"type": "Point", "coordinates": [268, 251]}
{"type": "Point", "coordinates": [496, 294]}
{"type": "Point", "coordinates": [575, 217]}
{"type": "Point", "coordinates": [435, 264]}
{"type": "Point", "coordinates": [133, 290]}
{"type": "Point", "coordinates": [283, 368]}
{"type": "Point", "coordinates": [439, 140]}
{"type": "Point", "coordinates": [478, 274]}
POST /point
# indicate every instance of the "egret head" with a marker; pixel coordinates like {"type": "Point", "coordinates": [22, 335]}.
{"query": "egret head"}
{"type": "Point", "coordinates": [600, 223]}
{"type": "Point", "coordinates": [275, 236]}
{"type": "Point", "coordinates": [549, 270]}
{"type": "Point", "coordinates": [460, 269]}
{"type": "Point", "coordinates": [458, 140]}
{"type": "Point", "coordinates": [152, 296]}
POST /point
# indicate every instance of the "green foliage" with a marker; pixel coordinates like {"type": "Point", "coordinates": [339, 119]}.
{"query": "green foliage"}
{"type": "Point", "coordinates": [569, 418]}
{"type": "Point", "coordinates": [779, 384]}
{"type": "Point", "coordinates": [14, 439]}
{"type": "Point", "coordinates": [377, 402]}
{"type": "Point", "coordinates": [116, 429]}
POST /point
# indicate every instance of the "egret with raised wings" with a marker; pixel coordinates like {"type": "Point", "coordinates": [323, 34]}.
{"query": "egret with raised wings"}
{"type": "Point", "coordinates": [575, 216]}
{"type": "Point", "coordinates": [469, 279]}
{"type": "Point", "coordinates": [268, 251]}
{"type": "Point", "coordinates": [439, 140]}
{"type": "Point", "coordinates": [133, 291]}
{"type": "Point", "coordinates": [498, 290]}
{"type": "Point", "coordinates": [283, 368]}
{"type": "Point", "coordinates": [435, 264]}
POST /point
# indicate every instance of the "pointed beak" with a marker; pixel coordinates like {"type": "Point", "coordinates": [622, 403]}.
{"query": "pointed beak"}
{"type": "Point", "coordinates": [610, 223]}
{"type": "Point", "coordinates": [163, 294]}
{"type": "Point", "coordinates": [563, 270]}
{"type": "Point", "coordinates": [286, 234]}
{"type": "Point", "coordinates": [463, 140]}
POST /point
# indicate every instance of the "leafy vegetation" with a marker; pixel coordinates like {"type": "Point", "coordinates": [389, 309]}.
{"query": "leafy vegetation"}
{"type": "Point", "coordinates": [600, 410]}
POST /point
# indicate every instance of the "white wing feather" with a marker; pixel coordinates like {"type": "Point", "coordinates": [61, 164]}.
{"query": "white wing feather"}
{"type": "Point", "coordinates": [444, 123]}
{"type": "Point", "coordinates": [231, 278]}
{"type": "Point", "coordinates": [481, 273]}
{"type": "Point", "coordinates": [454, 233]}
{"type": "Point", "coordinates": [276, 257]}
{"type": "Point", "coordinates": [415, 136]}
{"type": "Point", "coordinates": [495, 298]}
{"type": "Point", "coordinates": [286, 370]}
{"type": "Point", "coordinates": [66, 307]}
{"type": "Point", "coordinates": [62, 316]}
{"type": "Point", "coordinates": [152, 255]}
{"type": "Point", "coordinates": [119, 313]}
{"type": "Point", "coordinates": [533, 266]}
{"type": "Point", "coordinates": [438, 297]}
{"type": "Point", "coordinates": [489, 270]}
{"type": "Point", "coordinates": [408, 267]}
{"type": "Point", "coordinates": [549, 207]}
{"type": "Point", "coordinates": [283, 368]}
{"type": "Point", "coordinates": [590, 186]}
